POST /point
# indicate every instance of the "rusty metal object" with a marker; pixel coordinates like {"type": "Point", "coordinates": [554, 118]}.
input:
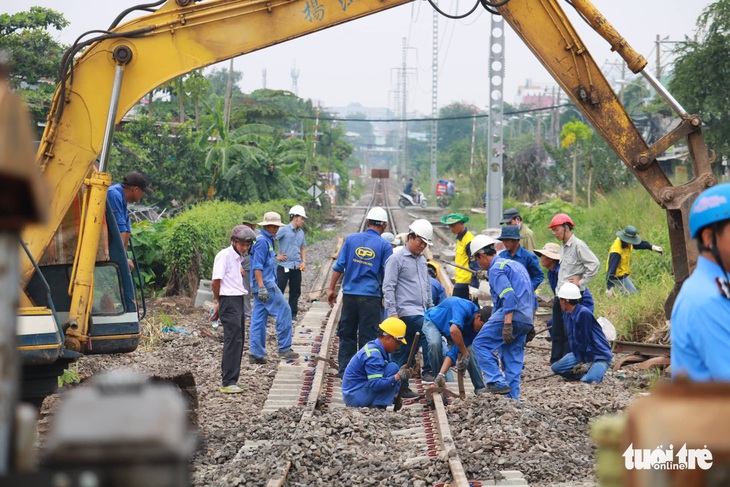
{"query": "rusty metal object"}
{"type": "Point", "coordinates": [329, 361]}
{"type": "Point", "coordinates": [398, 402]}
{"type": "Point", "coordinates": [457, 266]}
{"type": "Point", "coordinates": [460, 381]}
{"type": "Point", "coordinates": [650, 349]}
{"type": "Point", "coordinates": [380, 173]}
{"type": "Point", "coordinates": [543, 26]}
{"type": "Point", "coordinates": [654, 362]}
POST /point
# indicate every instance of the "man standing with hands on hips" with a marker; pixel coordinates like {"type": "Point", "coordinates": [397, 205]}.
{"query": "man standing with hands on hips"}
{"type": "Point", "coordinates": [577, 265]}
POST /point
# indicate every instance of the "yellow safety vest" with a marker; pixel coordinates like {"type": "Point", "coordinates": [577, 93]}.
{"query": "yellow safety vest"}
{"type": "Point", "coordinates": [462, 258]}
{"type": "Point", "coordinates": [625, 253]}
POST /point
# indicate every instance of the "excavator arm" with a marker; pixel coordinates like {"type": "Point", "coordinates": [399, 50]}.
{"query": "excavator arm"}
{"type": "Point", "coordinates": [546, 30]}
{"type": "Point", "coordinates": [182, 36]}
{"type": "Point", "coordinates": [176, 39]}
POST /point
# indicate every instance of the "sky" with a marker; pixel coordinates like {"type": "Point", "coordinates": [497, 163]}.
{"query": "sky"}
{"type": "Point", "coordinates": [360, 61]}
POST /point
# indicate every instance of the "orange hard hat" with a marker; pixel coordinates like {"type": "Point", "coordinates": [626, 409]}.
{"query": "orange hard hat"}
{"type": "Point", "coordinates": [560, 219]}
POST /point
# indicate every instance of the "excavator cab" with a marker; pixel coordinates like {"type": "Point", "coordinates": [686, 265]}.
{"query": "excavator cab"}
{"type": "Point", "coordinates": [113, 319]}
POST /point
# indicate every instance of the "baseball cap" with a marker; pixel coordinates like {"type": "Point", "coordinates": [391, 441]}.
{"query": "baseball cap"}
{"type": "Point", "coordinates": [135, 178]}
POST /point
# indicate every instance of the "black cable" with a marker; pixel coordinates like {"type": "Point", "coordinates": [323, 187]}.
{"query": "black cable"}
{"type": "Point", "coordinates": [430, 119]}
{"type": "Point", "coordinates": [145, 6]}
{"type": "Point", "coordinates": [495, 4]}
{"type": "Point", "coordinates": [454, 17]}
{"type": "Point", "coordinates": [488, 9]}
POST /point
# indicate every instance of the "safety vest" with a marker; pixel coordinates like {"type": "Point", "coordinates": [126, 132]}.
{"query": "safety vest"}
{"type": "Point", "coordinates": [625, 253]}
{"type": "Point", "coordinates": [462, 258]}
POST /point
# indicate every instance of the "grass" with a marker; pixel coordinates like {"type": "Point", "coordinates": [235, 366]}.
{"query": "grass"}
{"type": "Point", "coordinates": [152, 329]}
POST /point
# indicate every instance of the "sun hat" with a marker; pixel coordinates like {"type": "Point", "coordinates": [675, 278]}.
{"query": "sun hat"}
{"type": "Point", "coordinates": [271, 218]}
{"type": "Point", "coordinates": [629, 235]}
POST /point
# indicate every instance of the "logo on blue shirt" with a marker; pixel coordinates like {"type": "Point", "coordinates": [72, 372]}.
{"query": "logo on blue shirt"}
{"type": "Point", "coordinates": [365, 253]}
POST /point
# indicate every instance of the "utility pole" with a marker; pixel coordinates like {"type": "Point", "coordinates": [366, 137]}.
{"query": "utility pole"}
{"type": "Point", "coordinates": [434, 97]}
{"type": "Point", "coordinates": [495, 157]}
{"type": "Point", "coordinates": [404, 123]}
{"type": "Point", "coordinates": [295, 80]}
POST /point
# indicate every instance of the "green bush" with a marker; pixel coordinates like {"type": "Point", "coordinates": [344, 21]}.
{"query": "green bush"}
{"type": "Point", "coordinates": [176, 253]}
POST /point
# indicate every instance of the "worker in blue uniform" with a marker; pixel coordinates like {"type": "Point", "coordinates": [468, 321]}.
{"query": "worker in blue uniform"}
{"type": "Point", "coordinates": [701, 313]}
{"type": "Point", "coordinates": [590, 353]}
{"type": "Point", "coordinates": [508, 328]}
{"type": "Point", "coordinates": [362, 263]}
{"type": "Point", "coordinates": [550, 259]}
{"type": "Point", "coordinates": [459, 320]}
{"type": "Point", "coordinates": [510, 237]}
{"type": "Point", "coordinates": [268, 298]}
{"type": "Point", "coordinates": [371, 378]}
{"type": "Point", "coordinates": [438, 293]}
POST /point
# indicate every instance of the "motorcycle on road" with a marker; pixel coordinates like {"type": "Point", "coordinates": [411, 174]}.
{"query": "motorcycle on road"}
{"type": "Point", "coordinates": [407, 200]}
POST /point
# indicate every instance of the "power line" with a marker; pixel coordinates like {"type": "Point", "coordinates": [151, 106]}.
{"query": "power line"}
{"type": "Point", "coordinates": [429, 119]}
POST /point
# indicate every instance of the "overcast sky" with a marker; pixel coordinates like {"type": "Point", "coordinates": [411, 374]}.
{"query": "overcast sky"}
{"type": "Point", "coordinates": [358, 62]}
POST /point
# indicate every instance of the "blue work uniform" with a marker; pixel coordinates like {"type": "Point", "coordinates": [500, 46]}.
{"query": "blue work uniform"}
{"type": "Point", "coordinates": [586, 300]}
{"type": "Point", "coordinates": [264, 259]}
{"type": "Point", "coordinates": [438, 293]}
{"type": "Point", "coordinates": [118, 204]}
{"type": "Point", "coordinates": [362, 263]}
{"type": "Point", "coordinates": [531, 263]}
{"type": "Point", "coordinates": [588, 344]}
{"type": "Point", "coordinates": [368, 379]}
{"type": "Point", "coordinates": [437, 323]}
{"type": "Point", "coordinates": [701, 325]}
{"type": "Point", "coordinates": [512, 292]}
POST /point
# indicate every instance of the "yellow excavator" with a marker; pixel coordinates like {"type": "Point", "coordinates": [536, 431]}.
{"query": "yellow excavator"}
{"type": "Point", "coordinates": [76, 260]}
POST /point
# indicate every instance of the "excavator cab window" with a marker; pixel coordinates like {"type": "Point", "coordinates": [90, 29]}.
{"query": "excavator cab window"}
{"type": "Point", "coordinates": [107, 291]}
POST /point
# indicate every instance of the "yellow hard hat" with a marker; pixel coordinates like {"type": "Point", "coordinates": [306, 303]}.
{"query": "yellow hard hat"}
{"type": "Point", "coordinates": [433, 266]}
{"type": "Point", "coordinates": [394, 327]}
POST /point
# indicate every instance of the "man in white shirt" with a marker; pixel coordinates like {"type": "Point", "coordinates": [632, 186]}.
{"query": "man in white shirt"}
{"type": "Point", "coordinates": [228, 290]}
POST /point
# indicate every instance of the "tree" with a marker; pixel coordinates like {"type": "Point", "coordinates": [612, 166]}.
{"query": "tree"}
{"type": "Point", "coordinates": [453, 129]}
{"type": "Point", "coordinates": [572, 134]}
{"type": "Point", "coordinates": [701, 74]}
{"type": "Point", "coordinates": [35, 55]}
{"type": "Point", "coordinates": [167, 154]}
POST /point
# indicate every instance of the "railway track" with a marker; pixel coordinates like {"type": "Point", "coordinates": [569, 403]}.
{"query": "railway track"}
{"type": "Point", "coordinates": [312, 384]}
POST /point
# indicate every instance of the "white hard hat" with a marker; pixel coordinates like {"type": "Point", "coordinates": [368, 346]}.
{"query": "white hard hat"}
{"type": "Point", "coordinates": [377, 214]}
{"type": "Point", "coordinates": [480, 242]}
{"type": "Point", "coordinates": [422, 228]}
{"type": "Point", "coordinates": [297, 210]}
{"type": "Point", "coordinates": [569, 291]}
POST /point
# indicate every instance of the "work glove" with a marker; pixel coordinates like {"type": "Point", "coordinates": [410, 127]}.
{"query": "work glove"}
{"type": "Point", "coordinates": [581, 369]}
{"type": "Point", "coordinates": [531, 334]}
{"type": "Point", "coordinates": [507, 333]}
{"type": "Point", "coordinates": [440, 380]}
{"type": "Point", "coordinates": [473, 293]}
{"type": "Point", "coordinates": [263, 294]}
{"type": "Point", "coordinates": [404, 373]}
{"type": "Point", "coordinates": [481, 275]}
{"type": "Point", "coordinates": [462, 363]}
{"type": "Point", "coordinates": [657, 249]}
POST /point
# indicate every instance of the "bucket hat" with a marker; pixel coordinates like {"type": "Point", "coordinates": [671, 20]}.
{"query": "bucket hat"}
{"type": "Point", "coordinates": [550, 250]}
{"type": "Point", "coordinates": [629, 235]}
{"type": "Point", "coordinates": [510, 232]}
{"type": "Point", "coordinates": [271, 218]}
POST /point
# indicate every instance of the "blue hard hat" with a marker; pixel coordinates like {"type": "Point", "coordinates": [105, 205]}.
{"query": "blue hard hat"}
{"type": "Point", "coordinates": [712, 205]}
